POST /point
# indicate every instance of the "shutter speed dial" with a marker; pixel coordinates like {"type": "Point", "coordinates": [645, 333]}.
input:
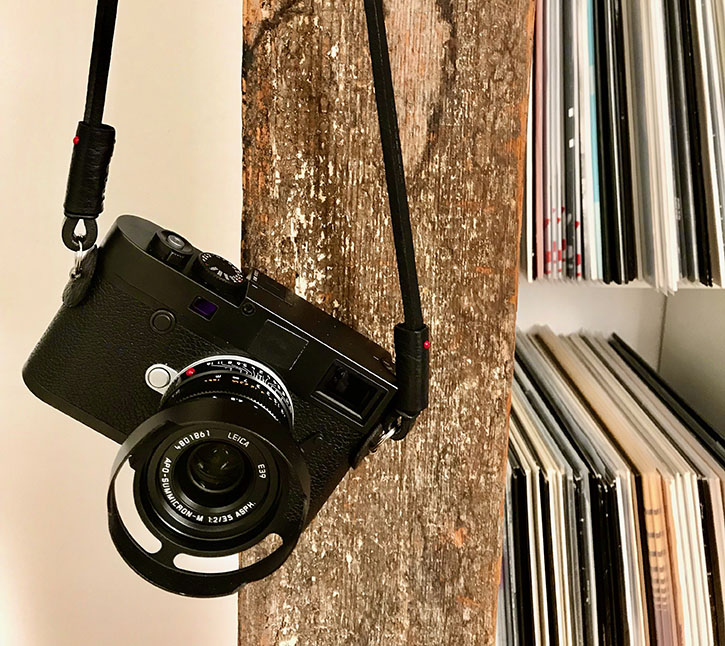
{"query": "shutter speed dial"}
{"type": "Point", "coordinates": [219, 275]}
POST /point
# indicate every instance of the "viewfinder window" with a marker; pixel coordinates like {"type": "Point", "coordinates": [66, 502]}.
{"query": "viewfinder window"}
{"type": "Point", "coordinates": [347, 388]}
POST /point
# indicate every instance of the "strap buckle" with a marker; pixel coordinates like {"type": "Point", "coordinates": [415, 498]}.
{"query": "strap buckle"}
{"type": "Point", "coordinates": [394, 428]}
{"type": "Point", "coordinates": [377, 437]}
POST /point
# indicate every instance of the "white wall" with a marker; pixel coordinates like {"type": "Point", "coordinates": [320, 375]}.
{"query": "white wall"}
{"type": "Point", "coordinates": [635, 313]}
{"type": "Point", "coordinates": [693, 351]}
{"type": "Point", "coordinates": [175, 101]}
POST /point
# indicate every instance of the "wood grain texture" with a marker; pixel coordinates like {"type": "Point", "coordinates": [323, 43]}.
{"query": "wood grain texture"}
{"type": "Point", "coordinates": [407, 550]}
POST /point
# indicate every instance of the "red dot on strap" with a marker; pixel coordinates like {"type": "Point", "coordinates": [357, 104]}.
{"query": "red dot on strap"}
{"type": "Point", "coordinates": [426, 344]}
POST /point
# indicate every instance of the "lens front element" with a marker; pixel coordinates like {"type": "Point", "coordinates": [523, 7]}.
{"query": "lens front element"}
{"type": "Point", "coordinates": [213, 483]}
{"type": "Point", "coordinates": [216, 467]}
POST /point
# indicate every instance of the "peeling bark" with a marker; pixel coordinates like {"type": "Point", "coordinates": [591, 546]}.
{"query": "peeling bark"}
{"type": "Point", "coordinates": [407, 550]}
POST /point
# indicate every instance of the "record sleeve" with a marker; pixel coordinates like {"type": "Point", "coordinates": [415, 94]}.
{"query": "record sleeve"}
{"type": "Point", "coordinates": [524, 611]}
{"type": "Point", "coordinates": [636, 105]}
{"type": "Point", "coordinates": [593, 134]}
{"type": "Point", "coordinates": [554, 133]}
{"type": "Point", "coordinates": [541, 232]}
{"type": "Point", "coordinates": [528, 241]}
{"type": "Point", "coordinates": [699, 195]}
{"type": "Point", "coordinates": [507, 627]}
{"type": "Point", "coordinates": [571, 144]}
{"type": "Point", "coordinates": [710, 437]}
{"type": "Point", "coordinates": [587, 141]}
{"type": "Point", "coordinates": [710, 113]}
{"type": "Point", "coordinates": [682, 149]}
{"type": "Point", "coordinates": [622, 126]}
{"type": "Point", "coordinates": [608, 142]}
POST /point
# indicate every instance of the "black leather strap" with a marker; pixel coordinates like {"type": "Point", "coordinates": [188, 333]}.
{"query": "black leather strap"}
{"type": "Point", "coordinates": [100, 61]}
{"type": "Point", "coordinates": [94, 147]}
{"type": "Point", "coordinates": [393, 159]}
{"type": "Point", "coordinates": [94, 141]}
{"type": "Point", "coordinates": [412, 339]}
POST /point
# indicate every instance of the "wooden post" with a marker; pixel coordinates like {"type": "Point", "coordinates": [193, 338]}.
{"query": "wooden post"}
{"type": "Point", "coordinates": [407, 550]}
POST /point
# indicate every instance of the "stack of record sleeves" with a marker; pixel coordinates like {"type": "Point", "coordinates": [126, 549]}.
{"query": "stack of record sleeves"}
{"type": "Point", "coordinates": [614, 527]}
{"type": "Point", "coordinates": [626, 154]}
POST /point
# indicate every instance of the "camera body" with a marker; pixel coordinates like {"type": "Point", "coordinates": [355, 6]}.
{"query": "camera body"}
{"type": "Point", "coordinates": [156, 305]}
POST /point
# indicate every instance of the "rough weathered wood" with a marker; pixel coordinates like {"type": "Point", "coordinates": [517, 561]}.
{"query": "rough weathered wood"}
{"type": "Point", "coordinates": [407, 550]}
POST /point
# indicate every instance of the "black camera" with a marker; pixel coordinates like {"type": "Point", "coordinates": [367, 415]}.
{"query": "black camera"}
{"type": "Point", "coordinates": [238, 405]}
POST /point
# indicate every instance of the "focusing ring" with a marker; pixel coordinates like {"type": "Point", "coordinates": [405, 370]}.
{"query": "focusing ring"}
{"type": "Point", "coordinates": [233, 376]}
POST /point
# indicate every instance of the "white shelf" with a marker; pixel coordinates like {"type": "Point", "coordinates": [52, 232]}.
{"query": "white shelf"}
{"type": "Point", "coordinates": [637, 315]}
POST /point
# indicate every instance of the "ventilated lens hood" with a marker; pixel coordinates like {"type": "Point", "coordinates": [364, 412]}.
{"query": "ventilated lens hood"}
{"type": "Point", "coordinates": [280, 498]}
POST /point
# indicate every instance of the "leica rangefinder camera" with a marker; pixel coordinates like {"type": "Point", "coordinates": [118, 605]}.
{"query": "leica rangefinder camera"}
{"type": "Point", "coordinates": [238, 405]}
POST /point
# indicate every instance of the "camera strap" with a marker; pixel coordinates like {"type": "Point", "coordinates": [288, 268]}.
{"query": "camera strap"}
{"type": "Point", "coordinates": [93, 148]}
{"type": "Point", "coordinates": [93, 142]}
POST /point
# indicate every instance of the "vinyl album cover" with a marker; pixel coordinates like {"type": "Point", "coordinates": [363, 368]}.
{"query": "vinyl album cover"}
{"type": "Point", "coordinates": [628, 159]}
{"type": "Point", "coordinates": [682, 152]}
{"type": "Point", "coordinates": [572, 151]}
{"type": "Point", "coordinates": [624, 490]}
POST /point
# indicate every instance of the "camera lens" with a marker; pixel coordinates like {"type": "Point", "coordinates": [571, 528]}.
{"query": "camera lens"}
{"type": "Point", "coordinates": [176, 241]}
{"type": "Point", "coordinates": [217, 470]}
{"type": "Point", "coordinates": [211, 473]}
{"type": "Point", "coordinates": [208, 479]}
{"type": "Point", "coordinates": [236, 378]}
{"type": "Point", "coordinates": [216, 467]}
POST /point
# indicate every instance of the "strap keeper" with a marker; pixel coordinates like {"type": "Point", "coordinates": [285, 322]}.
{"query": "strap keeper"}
{"type": "Point", "coordinates": [92, 152]}
{"type": "Point", "coordinates": [412, 366]}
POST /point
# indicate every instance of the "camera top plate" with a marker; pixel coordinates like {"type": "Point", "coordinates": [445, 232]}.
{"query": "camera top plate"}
{"type": "Point", "coordinates": [315, 354]}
